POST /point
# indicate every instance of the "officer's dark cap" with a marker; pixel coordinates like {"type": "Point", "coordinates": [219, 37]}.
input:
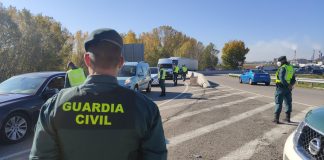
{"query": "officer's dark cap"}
{"type": "Point", "coordinates": [104, 34]}
{"type": "Point", "coordinates": [282, 59]}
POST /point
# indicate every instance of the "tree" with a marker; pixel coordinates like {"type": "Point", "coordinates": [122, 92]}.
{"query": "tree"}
{"type": "Point", "coordinates": [209, 57]}
{"type": "Point", "coordinates": [234, 54]}
{"type": "Point", "coordinates": [130, 37]}
{"type": "Point", "coordinates": [78, 49]}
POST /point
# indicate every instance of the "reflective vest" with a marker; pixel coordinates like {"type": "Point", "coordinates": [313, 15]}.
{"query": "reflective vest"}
{"type": "Point", "coordinates": [163, 74]}
{"type": "Point", "coordinates": [76, 76]}
{"type": "Point", "coordinates": [289, 73]}
{"type": "Point", "coordinates": [184, 69]}
{"type": "Point", "coordinates": [176, 69]}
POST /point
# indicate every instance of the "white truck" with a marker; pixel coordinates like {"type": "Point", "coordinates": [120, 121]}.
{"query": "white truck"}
{"type": "Point", "coordinates": [166, 64]}
{"type": "Point", "coordinates": [191, 64]}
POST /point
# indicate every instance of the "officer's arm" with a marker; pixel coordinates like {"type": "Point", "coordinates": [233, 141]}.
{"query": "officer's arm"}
{"type": "Point", "coordinates": [161, 73]}
{"type": "Point", "coordinates": [293, 80]}
{"type": "Point", "coordinates": [153, 145]}
{"type": "Point", "coordinates": [67, 82]}
{"type": "Point", "coordinates": [282, 75]}
{"type": "Point", "coordinates": [45, 145]}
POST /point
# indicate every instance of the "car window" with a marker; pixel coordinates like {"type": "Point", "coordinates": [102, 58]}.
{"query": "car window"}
{"type": "Point", "coordinates": [56, 83]}
{"type": "Point", "coordinates": [153, 70]}
{"type": "Point", "coordinates": [127, 71]}
{"type": "Point", "coordinates": [257, 71]}
{"type": "Point", "coordinates": [22, 85]}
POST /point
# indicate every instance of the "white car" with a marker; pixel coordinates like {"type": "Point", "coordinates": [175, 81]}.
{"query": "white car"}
{"type": "Point", "coordinates": [307, 141]}
{"type": "Point", "coordinates": [154, 76]}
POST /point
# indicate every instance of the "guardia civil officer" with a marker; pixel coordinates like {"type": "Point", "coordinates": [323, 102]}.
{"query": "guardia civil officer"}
{"type": "Point", "coordinates": [100, 119]}
{"type": "Point", "coordinates": [184, 72]}
{"type": "Point", "coordinates": [175, 74]}
{"type": "Point", "coordinates": [285, 80]}
{"type": "Point", "coordinates": [161, 77]}
{"type": "Point", "coordinates": [74, 76]}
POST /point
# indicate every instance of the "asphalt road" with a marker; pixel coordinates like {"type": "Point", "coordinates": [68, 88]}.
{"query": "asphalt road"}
{"type": "Point", "coordinates": [228, 121]}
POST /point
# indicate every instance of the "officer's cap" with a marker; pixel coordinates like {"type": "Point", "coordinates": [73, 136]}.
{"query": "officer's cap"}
{"type": "Point", "coordinates": [282, 59]}
{"type": "Point", "coordinates": [104, 34]}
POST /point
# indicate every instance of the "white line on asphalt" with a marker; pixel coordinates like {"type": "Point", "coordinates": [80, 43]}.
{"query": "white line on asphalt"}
{"type": "Point", "coordinates": [204, 89]}
{"type": "Point", "coordinates": [254, 146]}
{"type": "Point", "coordinates": [188, 114]}
{"type": "Point", "coordinates": [308, 105]}
{"type": "Point", "coordinates": [195, 101]}
{"type": "Point", "coordinates": [15, 154]}
{"type": "Point", "coordinates": [205, 93]}
{"type": "Point", "coordinates": [212, 127]}
{"type": "Point", "coordinates": [187, 86]}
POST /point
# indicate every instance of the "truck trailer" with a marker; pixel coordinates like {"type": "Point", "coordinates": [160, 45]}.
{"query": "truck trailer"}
{"type": "Point", "coordinates": [191, 64]}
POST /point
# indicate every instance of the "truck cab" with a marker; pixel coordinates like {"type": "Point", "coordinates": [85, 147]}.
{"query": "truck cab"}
{"type": "Point", "coordinates": [166, 64]}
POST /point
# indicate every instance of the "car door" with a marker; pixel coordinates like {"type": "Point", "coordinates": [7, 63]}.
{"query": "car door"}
{"type": "Point", "coordinates": [140, 76]}
{"type": "Point", "coordinates": [244, 77]}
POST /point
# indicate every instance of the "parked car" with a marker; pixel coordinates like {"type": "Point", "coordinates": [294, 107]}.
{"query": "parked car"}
{"type": "Point", "coordinates": [21, 98]}
{"type": "Point", "coordinates": [154, 76]}
{"type": "Point", "coordinates": [306, 142]}
{"type": "Point", "coordinates": [255, 76]}
{"type": "Point", "coordinates": [135, 76]}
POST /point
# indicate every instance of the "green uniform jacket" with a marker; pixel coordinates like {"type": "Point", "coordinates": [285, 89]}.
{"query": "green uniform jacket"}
{"type": "Point", "coordinates": [99, 120]}
{"type": "Point", "coordinates": [284, 83]}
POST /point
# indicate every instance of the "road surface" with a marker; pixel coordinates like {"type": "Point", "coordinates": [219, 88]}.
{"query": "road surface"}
{"type": "Point", "coordinates": [228, 121]}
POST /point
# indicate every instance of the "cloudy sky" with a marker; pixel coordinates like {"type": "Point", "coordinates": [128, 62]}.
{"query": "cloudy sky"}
{"type": "Point", "coordinates": [269, 28]}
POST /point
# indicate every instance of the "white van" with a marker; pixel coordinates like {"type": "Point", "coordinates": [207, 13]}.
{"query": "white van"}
{"type": "Point", "coordinates": [166, 64]}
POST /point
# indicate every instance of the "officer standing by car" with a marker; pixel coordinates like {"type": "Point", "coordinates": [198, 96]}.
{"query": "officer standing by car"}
{"type": "Point", "coordinates": [184, 72]}
{"type": "Point", "coordinates": [74, 77]}
{"type": "Point", "coordinates": [175, 75]}
{"type": "Point", "coordinates": [161, 77]}
{"type": "Point", "coordinates": [95, 120]}
{"type": "Point", "coordinates": [285, 80]}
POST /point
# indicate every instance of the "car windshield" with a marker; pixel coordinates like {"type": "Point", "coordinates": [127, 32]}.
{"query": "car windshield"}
{"type": "Point", "coordinates": [127, 71]}
{"type": "Point", "coordinates": [166, 65]}
{"type": "Point", "coordinates": [22, 85]}
{"type": "Point", "coordinates": [258, 71]}
{"type": "Point", "coordinates": [154, 70]}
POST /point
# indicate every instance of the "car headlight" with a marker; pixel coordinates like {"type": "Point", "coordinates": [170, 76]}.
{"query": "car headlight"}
{"type": "Point", "coordinates": [298, 132]}
{"type": "Point", "coordinates": [128, 81]}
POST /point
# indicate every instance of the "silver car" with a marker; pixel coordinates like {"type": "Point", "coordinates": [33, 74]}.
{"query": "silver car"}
{"type": "Point", "coordinates": [154, 76]}
{"type": "Point", "coordinates": [135, 76]}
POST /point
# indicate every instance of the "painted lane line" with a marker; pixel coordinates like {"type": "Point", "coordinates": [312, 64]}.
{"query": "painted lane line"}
{"type": "Point", "coordinates": [300, 103]}
{"type": "Point", "coordinates": [206, 93]}
{"type": "Point", "coordinates": [204, 89]}
{"type": "Point", "coordinates": [198, 101]}
{"type": "Point", "coordinates": [254, 146]}
{"type": "Point", "coordinates": [212, 127]}
{"type": "Point", "coordinates": [15, 154]}
{"type": "Point", "coordinates": [187, 86]}
{"type": "Point", "coordinates": [189, 114]}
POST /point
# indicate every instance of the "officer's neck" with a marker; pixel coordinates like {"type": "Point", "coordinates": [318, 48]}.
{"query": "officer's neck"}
{"type": "Point", "coordinates": [109, 72]}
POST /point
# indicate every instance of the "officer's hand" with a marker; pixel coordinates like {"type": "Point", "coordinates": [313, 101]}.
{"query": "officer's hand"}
{"type": "Point", "coordinates": [290, 87]}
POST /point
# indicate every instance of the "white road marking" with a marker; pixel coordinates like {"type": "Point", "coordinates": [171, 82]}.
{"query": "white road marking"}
{"type": "Point", "coordinates": [254, 146]}
{"type": "Point", "coordinates": [176, 96]}
{"type": "Point", "coordinates": [212, 127]}
{"type": "Point", "coordinates": [15, 154]}
{"type": "Point", "coordinates": [195, 101]}
{"type": "Point", "coordinates": [206, 93]}
{"type": "Point", "coordinates": [300, 103]}
{"type": "Point", "coordinates": [188, 114]}
{"type": "Point", "coordinates": [204, 89]}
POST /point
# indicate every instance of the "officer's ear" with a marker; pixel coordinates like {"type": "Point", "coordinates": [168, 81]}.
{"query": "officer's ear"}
{"type": "Point", "coordinates": [87, 59]}
{"type": "Point", "coordinates": [121, 61]}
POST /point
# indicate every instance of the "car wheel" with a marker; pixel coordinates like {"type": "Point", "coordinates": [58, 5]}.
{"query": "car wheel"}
{"type": "Point", "coordinates": [16, 128]}
{"type": "Point", "coordinates": [240, 80]}
{"type": "Point", "coordinates": [149, 87]}
{"type": "Point", "coordinates": [251, 82]}
{"type": "Point", "coordinates": [267, 83]}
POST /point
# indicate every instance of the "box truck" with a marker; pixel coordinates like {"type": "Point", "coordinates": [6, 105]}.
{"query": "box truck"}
{"type": "Point", "coordinates": [191, 64]}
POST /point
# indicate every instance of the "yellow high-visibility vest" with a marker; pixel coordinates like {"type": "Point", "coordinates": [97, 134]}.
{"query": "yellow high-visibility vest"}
{"type": "Point", "coordinates": [176, 69]}
{"type": "Point", "coordinates": [76, 76]}
{"type": "Point", "coordinates": [184, 69]}
{"type": "Point", "coordinates": [289, 73]}
{"type": "Point", "coordinates": [163, 74]}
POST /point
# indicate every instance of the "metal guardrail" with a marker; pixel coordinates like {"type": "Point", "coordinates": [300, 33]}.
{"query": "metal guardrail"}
{"type": "Point", "coordinates": [305, 80]}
